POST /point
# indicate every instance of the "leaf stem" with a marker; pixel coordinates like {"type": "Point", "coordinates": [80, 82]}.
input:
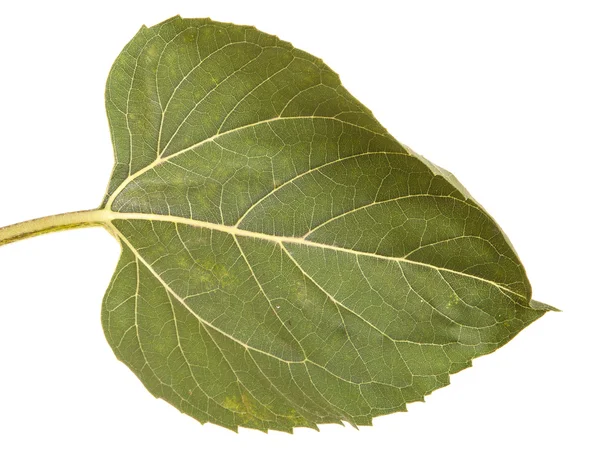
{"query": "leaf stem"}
{"type": "Point", "coordinates": [53, 223]}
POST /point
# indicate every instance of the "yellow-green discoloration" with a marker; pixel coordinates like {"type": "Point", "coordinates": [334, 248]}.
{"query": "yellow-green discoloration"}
{"type": "Point", "coordinates": [253, 412]}
{"type": "Point", "coordinates": [216, 275]}
{"type": "Point", "coordinates": [249, 409]}
{"type": "Point", "coordinates": [454, 301]}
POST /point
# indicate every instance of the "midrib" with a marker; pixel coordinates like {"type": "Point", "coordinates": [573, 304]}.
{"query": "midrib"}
{"type": "Point", "coordinates": [238, 232]}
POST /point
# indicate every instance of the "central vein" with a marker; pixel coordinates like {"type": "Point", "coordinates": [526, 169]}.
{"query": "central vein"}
{"type": "Point", "coordinates": [237, 232]}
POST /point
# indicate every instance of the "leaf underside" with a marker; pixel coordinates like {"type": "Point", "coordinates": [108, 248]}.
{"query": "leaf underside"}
{"type": "Point", "coordinates": [285, 261]}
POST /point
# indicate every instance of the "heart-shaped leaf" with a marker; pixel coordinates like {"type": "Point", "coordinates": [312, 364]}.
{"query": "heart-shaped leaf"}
{"type": "Point", "coordinates": [286, 262]}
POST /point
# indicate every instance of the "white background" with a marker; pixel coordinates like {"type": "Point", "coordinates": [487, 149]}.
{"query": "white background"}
{"type": "Point", "coordinates": [503, 94]}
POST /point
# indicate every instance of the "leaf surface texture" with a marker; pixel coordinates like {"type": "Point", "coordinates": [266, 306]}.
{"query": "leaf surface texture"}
{"type": "Point", "coordinates": [286, 262]}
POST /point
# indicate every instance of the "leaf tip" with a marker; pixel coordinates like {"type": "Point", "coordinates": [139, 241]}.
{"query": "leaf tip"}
{"type": "Point", "coordinates": [534, 304]}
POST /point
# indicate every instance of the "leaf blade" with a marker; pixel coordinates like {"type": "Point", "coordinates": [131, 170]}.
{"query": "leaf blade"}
{"type": "Point", "coordinates": [286, 262]}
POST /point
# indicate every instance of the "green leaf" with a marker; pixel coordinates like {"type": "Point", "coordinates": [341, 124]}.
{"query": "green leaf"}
{"type": "Point", "coordinates": [285, 261]}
